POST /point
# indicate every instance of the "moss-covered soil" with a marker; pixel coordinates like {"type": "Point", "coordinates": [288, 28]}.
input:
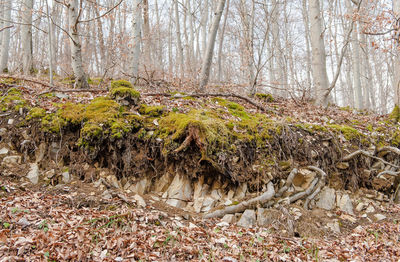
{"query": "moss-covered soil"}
{"type": "Point", "coordinates": [138, 135]}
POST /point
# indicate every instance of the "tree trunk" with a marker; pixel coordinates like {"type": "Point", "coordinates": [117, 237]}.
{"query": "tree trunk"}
{"type": "Point", "coordinates": [320, 76]}
{"type": "Point", "coordinates": [136, 25]}
{"type": "Point", "coordinates": [76, 52]}
{"type": "Point", "coordinates": [396, 65]}
{"type": "Point", "coordinates": [206, 65]}
{"type": "Point", "coordinates": [27, 8]}
{"type": "Point", "coordinates": [5, 37]}
{"type": "Point", "coordinates": [179, 40]}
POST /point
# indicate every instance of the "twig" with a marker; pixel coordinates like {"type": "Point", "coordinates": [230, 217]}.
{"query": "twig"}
{"type": "Point", "coordinates": [390, 149]}
{"type": "Point", "coordinates": [90, 90]}
{"type": "Point", "coordinates": [304, 193]}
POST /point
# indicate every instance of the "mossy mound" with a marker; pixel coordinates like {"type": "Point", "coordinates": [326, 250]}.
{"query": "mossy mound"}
{"type": "Point", "coordinates": [123, 91]}
{"type": "Point", "coordinates": [12, 100]}
{"type": "Point", "coordinates": [265, 97]}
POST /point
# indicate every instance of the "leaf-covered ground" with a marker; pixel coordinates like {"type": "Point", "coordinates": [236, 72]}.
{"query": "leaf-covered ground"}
{"type": "Point", "coordinates": [39, 225]}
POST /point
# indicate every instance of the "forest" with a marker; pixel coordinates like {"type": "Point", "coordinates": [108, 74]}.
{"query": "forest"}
{"type": "Point", "coordinates": [199, 130]}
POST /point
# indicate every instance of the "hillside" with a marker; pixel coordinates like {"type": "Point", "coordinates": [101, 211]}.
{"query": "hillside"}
{"type": "Point", "coordinates": [127, 173]}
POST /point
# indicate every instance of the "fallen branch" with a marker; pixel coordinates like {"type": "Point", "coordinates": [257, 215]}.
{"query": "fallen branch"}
{"type": "Point", "coordinates": [288, 183]}
{"type": "Point", "coordinates": [367, 154]}
{"type": "Point", "coordinates": [214, 95]}
{"type": "Point", "coordinates": [251, 203]}
{"type": "Point", "coordinates": [89, 90]}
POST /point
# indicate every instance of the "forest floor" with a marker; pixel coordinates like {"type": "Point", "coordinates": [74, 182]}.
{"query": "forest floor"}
{"type": "Point", "coordinates": [75, 221]}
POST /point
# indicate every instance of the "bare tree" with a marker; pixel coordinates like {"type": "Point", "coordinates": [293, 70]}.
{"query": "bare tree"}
{"type": "Point", "coordinates": [207, 60]}
{"type": "Point", "coordinates": [27, 9]}
{"type": "Point", "coordinates": [396, 65]}
{"type": "Point", "coordinates": [5, 43]}
{"type": "Point", "coordinates": [136, 26]}
{"type": "Point", "coordinates": [76, 51]}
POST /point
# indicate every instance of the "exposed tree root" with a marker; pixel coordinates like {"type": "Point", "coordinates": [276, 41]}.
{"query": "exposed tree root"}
{"type": "Point", "coordinates": [390, 149]}
{"type": "Point", "coordinates": [367, 154]}
{"type": "Point", "coordinates": [302, 194]}
{"type": "Point", "coordinates": [321, 184]}
{"type": "Point", "coordinates": [288, 183]}
{"type": "Point", "coordinates": [251, 203]}
{"type": "Point", "coordinates": [388, 172]}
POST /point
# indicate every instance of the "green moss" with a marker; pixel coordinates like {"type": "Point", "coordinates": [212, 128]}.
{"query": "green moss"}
{"type": "Point", "coordinates": [395, 139]}
{"type": "Point", "coordinates": [69, 80]}
{"type": "Point", "coordinates": [12, 100]}
{"type": "Point", "coordinates": [266, 97]}
{"type": "Point", "coordinates": [91, 131]}
{"type": "Point", "coordinates": [154, 111]}
{"type": "Point", "coordinates": [72, 113]}
{"type": "Point", "coordinates": [348, 132]}
{"type": "Point", "coordinates": [235, 106]}
{"type": "Point", "coordinates": [36, 112]}
{"type": "Point", "coordinates": [121, 83]}
{"type": "Point", "coordinates": [395, 114]}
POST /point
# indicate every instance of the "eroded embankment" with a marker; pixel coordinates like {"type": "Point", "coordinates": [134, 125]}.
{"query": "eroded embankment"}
{"type": "Point", "coordinates": [210, 148]}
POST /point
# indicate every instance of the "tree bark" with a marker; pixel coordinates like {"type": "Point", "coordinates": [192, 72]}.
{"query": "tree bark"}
{"type": "Point", "coordinates": [320, 76]}
{"type": "Point", "coordinates": [76, 51]}
{"type": "Point", "coordinates": [179, 40]}
{"type": "Point", "coordinates": [136, 25]}
{"type": "Point", "coordinates": [5, 45]}
{"type": "Point", "coordinates": [396, 65]}
{"type": "Point", "coordinates": [27, 8]}
{"type": "Point", "coordinates": [206, 65]}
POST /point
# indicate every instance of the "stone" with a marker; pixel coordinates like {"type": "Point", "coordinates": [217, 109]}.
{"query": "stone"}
{"type": "Point", "coordinates": [241, 191]}
{"type": "Point", "coordinates": [334, 226]}
{"type": "Point", "coordinates": [379, 217]}
{"type": "Point", "coordinates": [4, 151]}
{"type": "Point", "coordinates": [10, 121]}
{"type": "Point", "coordinates": [113, 180]}
{"type": "Point", "coordinates": [3, 131]}
{"type": "Point", "coordinates": [50, 173]}
{"type": "Point", "coordinates": [11, 160]}
{"type": "Point", "coordinates": [345, 204]}
{"type": "Point", "coordinates": [33, 174]}
{"type": "Point", "coordinates": [229, 218]}
{"type": "Point", "coordinates": [162, 184]}
{"type": "Point", "coordinates": [106, 195]}
{"type": "Point", "coordinates": [296, 213]}
{"type": "Point", "coordinates": [40, 152]}
{"type": "Point", "coordinates": [223, 224]}
{"type": "Point", "coordinates": [180, 191]}
{"type": "Point", "coordinates": [370, 209]}
{"type": "Point", "coordinates": [248, 218]}
{"type": "Point", "coordinates": [66, 177]}
{"type": "Point", "coordinates": [348, 218]}
{"type": "Point", "coordinates": [139, 200]}
{"type": "Point", "coordinates": [198, 204]}
{"type": "Point", "coordinates": [140, 187]}
{"type": "Point", "coordinates": [326, 199]}
{"type": "Point", "coordinates": [208, 204]}
{"type": "Point", "coordinates": [200, 189]}
{"type": "Point", "coordinates": [303, 179]}
{"type": "Point", "coordinates": [216, 194]}
{"type": "Point", "coordinates": [360, 207]}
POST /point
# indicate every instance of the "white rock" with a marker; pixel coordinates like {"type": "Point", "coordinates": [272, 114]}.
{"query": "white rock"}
{"type": "Point", "coordinates": [119, 259]}
{"type": "Point", "coordinates": [4, 151]}
{"type": "Point", "coordinates": [327, 199]}
{"type": "Point", "coordinates": [379, 217]}
{"type": "Point", "coordinates": [66, 177]}
{"type": "Point", "coordinates": [303, 179]}
{"type": "Point", "coordinates": [3, 131]}
{"type": "Point", "coordinates": [10, 121]}
{"type": "Point", "coordinates": [222, 224]}
{"type": "Point", "coordinates": [180, 188]}
{"type": "Point", "coordinates": [141, 186]}
{"type": "Point", "coordinates": [370, 209]}
{"type": "Point", "coordinates": [139, 200]}
{"type": "Point", "coordinates": [106, 195]}
{"type": "Point", "coordinates": [334, 227]}
{"type": "Point", "coordinates": [33, 174]}
{"type": "Point", "coordinates": [229, 218]}
{"type": "Point", "coordinates": [192, 226]}
{"type": "Point", "coordinates": [241, 191]}
{"type": "Point", "coordinates": [221, 240]}
{"type": "Point", "coordinates": [345, 204]}
{"type": "Point", "coordinates": [198, 204]}
{"type": "Point", "coordinates": [248, 218]}
{"type": "Point", "coordinates": [361, 206]}
{"type": "Point", "coordinates": [200, 189]}
{"type": "Point", "coordinates": [12, 160]}
{"type": "Point", "coordinates": [162, 184]}
{"type": "Point", "coordinates": [23, 222]}
{"type": "Point", "coordinates": [208, 203]}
